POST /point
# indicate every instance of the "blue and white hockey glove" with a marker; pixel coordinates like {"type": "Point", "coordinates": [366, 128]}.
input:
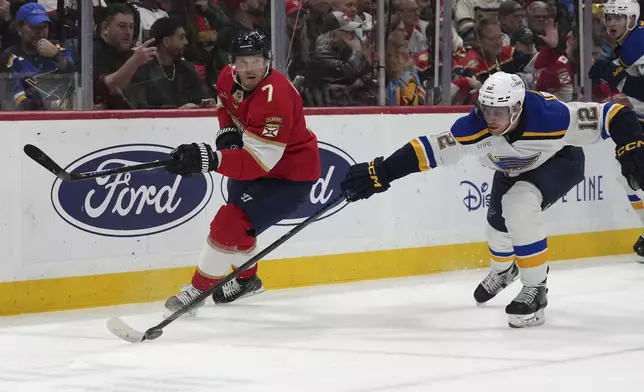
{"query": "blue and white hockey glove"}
{"type": "Point", "coordinates": [606, 70]}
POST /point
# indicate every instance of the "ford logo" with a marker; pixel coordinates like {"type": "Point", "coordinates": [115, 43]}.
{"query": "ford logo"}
{"type": "Point", "coordinates": [129, 204]}
{"type": "Point", "coordinates": [335, 164]}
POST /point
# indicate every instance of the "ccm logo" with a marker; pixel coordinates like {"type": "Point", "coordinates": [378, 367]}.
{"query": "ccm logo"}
{"type": "Point", "coordinates": [374, 177]}
{"type": "Point", "coordinates": [630, 146]}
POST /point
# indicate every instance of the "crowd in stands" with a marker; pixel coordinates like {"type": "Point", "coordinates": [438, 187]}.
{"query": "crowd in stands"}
{"type": "Point", "coordinates": [152, 54]}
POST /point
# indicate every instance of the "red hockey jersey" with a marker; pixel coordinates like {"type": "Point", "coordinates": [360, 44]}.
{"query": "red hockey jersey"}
{"type": "Point", "coordinates": [277, 143]}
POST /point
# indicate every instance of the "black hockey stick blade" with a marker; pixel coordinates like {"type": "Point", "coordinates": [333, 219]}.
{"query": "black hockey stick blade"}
{"type": "Point", "coordinates": [125, 332]}
{"type": "Point", "coordinates": [45, 161]}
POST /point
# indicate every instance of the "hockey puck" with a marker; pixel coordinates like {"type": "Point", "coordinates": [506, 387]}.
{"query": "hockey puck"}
{"type": "Point", "coordinates": [153, 334]}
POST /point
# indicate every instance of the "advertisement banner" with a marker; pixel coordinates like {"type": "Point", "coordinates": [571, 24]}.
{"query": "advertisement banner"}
{"type": "Point", "coordinates": [155, 220]}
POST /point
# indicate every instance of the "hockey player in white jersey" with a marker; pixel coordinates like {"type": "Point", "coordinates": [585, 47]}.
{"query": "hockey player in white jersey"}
{"type": "Point", "coordinates": [626, 74]}
{"type": "Point", "coordinates": [531, 140]}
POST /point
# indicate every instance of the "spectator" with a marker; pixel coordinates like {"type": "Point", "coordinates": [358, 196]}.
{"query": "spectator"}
{"type": "Point", "coordinates": [409, 13]}
{"type": "Point", "coordinates": [202, 20]}
{"type": "Point", "coordinates": [350, 9]}
{"type": "Point", "coordinates": [404, 87]}
{"type": "Point", "coordinates": [490, 55]}
{"type": "Point", "coordinates": [246, 17]}
{"type": "Point", "coordinates": [467, 13]}
{"type": "Point", "coordinates": [523, 41]}
{"type": "Point", "coordinates": [512, 17]}
{"type": "Point", "coordinates": [171, 82]}
{"type": "Point", "coordinates": [115, 63]}
{"type": "Point", "coordinates": [298, 56]}
{"type": "Point", "coordinates": [335, 68]}
{"type": "Point", "coordinates": [5, 22]}
{"type": "Point", "coordinates": [365, 9]}
{"type": "Point", "coordinates": [36, 64]}
{"type": "Point", "coordinates": [318, 9]}
{"type": "Point", "coordinates": [149, 12]}
{"type": "Point", "coordinates": [538, 15]}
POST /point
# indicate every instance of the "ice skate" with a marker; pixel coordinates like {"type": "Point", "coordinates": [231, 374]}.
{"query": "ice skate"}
{"type": "Point", "coordinates": [526, 310]}
{"type": "Point", "coordinates": [238, 288]}
{"type": "Point", "coordinates": [494, 283]}
{"type": "Point", "coordinates": [638, 247]}
{"type": "Point", "coordinates": [187, 294]}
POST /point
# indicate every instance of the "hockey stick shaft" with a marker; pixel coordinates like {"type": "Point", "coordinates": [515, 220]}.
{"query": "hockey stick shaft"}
{"type": "Point", "coordinates": [45, 161]}
{"type": "Point", "coordinates": [119, 170]}
{"type": "Point", "coordinates": [152, 332]}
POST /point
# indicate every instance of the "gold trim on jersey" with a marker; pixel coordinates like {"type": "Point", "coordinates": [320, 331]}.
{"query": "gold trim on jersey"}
{"type": "Point", "coordinates": [547, 98]}
{"type": "Point", "coordinates": [423, 162]}
{"type": "Point", "coordinates": [477, 137]}
{"type": "Point", "coordinates": [544, 135]}
{"type": "Point", "coordinates": [614, 109]}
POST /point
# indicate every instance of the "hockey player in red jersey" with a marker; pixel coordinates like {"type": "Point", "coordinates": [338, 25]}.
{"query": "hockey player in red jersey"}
{"type": "Point", "coordinates": [270, 157]}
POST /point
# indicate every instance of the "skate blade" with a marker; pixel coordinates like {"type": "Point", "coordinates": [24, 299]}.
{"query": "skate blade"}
{"type": "Point", "coordinates": [639, 259]}
{"type": "Point", "coordinates": [188, 314]}
{"type": "Point", "coordinates": [252, 293]}
{"type": "Point", "coordinates": [191, 313]}
{"type": "Point", "coordinates": [527, 320]}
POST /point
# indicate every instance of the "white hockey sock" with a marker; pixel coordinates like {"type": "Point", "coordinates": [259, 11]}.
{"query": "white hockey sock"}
{"type": "Point", "coordinates": [501, 250]}
{"type": "Point", "coordinates": [524, 220]}
{"type": "Point", "coordinates": [214, 263]}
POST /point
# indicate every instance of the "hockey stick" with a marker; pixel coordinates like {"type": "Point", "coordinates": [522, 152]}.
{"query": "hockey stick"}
{"type": "Point", "coordinates": [119, 328]}
{"type": "Point", "coordinates": [45, 161]}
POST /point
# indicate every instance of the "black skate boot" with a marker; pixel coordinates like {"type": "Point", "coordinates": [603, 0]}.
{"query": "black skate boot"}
{"type": "Point", "coordinates": [187, 294]}
{"type": "Point", "coordinates": [638, 247]}
{"type": "Point", "coordinates": [494, 282]}
{"type": "Point", "coordinates": [238, 288]}
{"type": "Point", "coordinates": [526, 310]}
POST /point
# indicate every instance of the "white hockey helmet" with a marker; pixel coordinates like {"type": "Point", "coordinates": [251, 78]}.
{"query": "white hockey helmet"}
{"type": "Point", "coordinates": [502, 94]}
{"type": "Point", "coordinates": [628, 8]}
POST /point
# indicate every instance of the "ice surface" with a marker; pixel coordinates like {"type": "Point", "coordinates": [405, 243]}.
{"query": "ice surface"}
{"type": "Point", "coordinates": [411, 334]}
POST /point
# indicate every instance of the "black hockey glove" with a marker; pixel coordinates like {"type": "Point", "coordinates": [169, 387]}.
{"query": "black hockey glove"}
{"type": "Point", "coordinates": [229, 138]}
{"type": "Point", "coordinates": [606, 70]}
{"type": "Point", "coordinates": [631, 158]}
{"type": "Point", "coordinates": [365, 179]}
{"type": "Point", "coordinates": [188, 159]}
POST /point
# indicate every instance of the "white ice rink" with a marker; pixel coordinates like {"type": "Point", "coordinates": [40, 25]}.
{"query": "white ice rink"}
{"type": "Point", "coordinates": [412, 334]}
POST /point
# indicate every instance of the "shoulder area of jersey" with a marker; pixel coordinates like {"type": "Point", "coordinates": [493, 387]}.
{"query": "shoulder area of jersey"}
{"type": "Point", "coordinates": [546, 117]}
{"type": "Point", "coordinates": [632, 49]}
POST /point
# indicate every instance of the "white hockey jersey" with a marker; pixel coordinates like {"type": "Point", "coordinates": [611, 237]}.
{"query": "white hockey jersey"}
{"type": "Point", "coordinates": [546, 126]}
{"type": "Point", "coordinates": [631, 57]}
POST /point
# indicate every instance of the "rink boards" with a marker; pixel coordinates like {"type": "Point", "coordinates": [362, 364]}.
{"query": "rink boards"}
{"type": "Point", "coordinates": [135, 238]}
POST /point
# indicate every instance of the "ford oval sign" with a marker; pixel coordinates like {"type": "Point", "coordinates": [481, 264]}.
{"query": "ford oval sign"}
{"type": "Point", "coordinates": [335, 164]}
{"type": "Point", "coordinates": [129, 204]}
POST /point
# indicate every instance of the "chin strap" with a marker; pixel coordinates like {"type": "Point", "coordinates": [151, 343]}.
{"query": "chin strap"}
{"type": "Point", "coordinates": [513, 121]}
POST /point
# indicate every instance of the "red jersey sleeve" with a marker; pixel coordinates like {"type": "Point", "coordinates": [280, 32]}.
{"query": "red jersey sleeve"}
{"type": "Point", "coordinates": [546, 57]}
{"type": "Point", "coordinates": [224, 83]}
{"type": "Point", "coordinates": [270, 120]}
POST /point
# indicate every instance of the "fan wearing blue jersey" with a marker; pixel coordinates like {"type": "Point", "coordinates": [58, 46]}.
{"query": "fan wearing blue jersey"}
{"type": "Point", "coordinates": [626, 74]}
{"type": "Point", "coordinates": [532, 141]}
